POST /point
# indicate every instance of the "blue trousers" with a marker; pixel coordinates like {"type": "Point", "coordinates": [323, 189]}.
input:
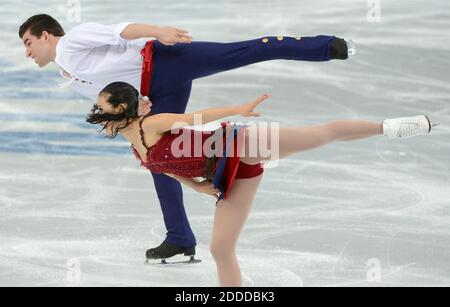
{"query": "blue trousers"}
{"type": "Point", "coordinates": [174, 69]}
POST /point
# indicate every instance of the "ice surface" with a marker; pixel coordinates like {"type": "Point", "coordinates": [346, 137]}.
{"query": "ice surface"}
{"type": "Point", "coordinates": [72, 202]}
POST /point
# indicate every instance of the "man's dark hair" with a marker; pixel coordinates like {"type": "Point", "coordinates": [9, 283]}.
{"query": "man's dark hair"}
{"type": "Point", "coordinates": [40, 23]}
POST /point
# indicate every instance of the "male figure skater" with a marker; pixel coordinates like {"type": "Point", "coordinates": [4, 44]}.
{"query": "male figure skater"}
{"type": "Point", "coordinates": [93, 55]}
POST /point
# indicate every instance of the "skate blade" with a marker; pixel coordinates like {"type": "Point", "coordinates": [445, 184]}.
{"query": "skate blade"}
{"type": "Point", "coordinates": [351, 47]}
{"type": "Point", "coordinates": [432, 125]}
{"type": "Point", "coordinates": [164, 262]}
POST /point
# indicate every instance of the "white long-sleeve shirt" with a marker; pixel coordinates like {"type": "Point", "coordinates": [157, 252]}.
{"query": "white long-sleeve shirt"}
{"type": "Point", "coordinates": [95, 55]}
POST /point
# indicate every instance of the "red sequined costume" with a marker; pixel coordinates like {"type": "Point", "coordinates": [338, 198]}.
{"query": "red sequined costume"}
{"type": "Point", "coordinates": [192, 162]}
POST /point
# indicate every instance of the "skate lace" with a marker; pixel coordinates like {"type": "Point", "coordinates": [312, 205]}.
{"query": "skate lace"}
{"type": "Point", "coordinates": [409, 128]}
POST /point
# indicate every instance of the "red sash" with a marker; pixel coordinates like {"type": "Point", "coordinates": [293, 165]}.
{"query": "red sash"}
{"type": "Point", "coordinates": [147, 68]}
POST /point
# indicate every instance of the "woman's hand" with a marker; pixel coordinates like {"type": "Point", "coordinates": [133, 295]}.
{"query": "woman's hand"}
{"type": "Point", "coordinates": [145, 106]}
{"type": "Point", "coordinates": [247, 109]}
{"type": "Point", "coordinates": [169, 36]}
{"type": "Point", "coordinates": [207, 187]}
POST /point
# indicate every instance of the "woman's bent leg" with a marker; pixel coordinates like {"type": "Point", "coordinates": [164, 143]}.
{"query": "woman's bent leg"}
{"type": "Point", "coordinates": [229, 220]}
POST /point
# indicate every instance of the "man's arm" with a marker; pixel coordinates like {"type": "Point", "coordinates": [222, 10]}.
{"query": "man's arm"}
{"type": "Point", "coordinates": [166, 35]}
{"type": "Point", "coordinates": [92, 35]}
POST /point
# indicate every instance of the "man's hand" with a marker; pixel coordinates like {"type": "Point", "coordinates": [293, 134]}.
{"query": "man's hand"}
{"type": "Point", "coordinates": [207, 188]}
{"type": "Point", "coordinates": [170, 36]}
{"type": "Point", "coordinates": [145, 106]}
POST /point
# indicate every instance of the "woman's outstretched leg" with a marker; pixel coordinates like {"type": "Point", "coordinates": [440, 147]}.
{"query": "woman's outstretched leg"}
{"type": "Point", "coordinates": [294, 140]}
{"type": "Point", "coordinates": [232, 213]}
{"type": "Point", "coordinates": [229, 220]}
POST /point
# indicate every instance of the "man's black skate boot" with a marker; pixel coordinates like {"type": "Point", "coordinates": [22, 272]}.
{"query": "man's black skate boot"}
{"type": "Point", "coordinates": [167, 250]}
{"type": "Point", "coordinates": [339, 49]}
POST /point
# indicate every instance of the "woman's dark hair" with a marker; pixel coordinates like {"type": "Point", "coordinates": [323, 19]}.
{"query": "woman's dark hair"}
{"type": "Point", "coordinates": [40, 23]}
{"type": "Point", "coordinates": [117, 93]}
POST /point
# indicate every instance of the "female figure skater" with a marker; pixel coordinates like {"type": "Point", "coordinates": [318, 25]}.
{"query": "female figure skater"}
{"type": "Point", "coordinates": [234, 177]}
{"type": "Point", "coordinates": [92, 55]}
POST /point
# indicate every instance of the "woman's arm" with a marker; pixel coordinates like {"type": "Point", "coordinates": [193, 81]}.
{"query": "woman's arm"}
{"type": "Point", "coordinates": [166, 35]}
{"type": "Point", "coordinates": [204, 187]}
{"type": "Point", "coordinates": [164, 122]}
